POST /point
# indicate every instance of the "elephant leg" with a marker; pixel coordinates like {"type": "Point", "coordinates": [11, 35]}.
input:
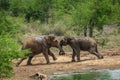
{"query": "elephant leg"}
{"type": "Point", "coordinates": [29, 60]}
{"type": "Point", "coordinates": [77, 51]}
{"type": "Point", "coordinates": [100, 56]}
{"type": "Point", "coordinates": [18, 63]}
{"type": "Point", "coordinates": [73, 56]}
{"type": "Point", "coordinates": [78, 56]}
{"type": "Point", "coordinates": [45, 53]}
{"type": "Point", "coordinates": [51, 54]}
{"type": "Point", "coordinates": [21, 60]}
{"type": "Point", "coordinates": [92, 51]}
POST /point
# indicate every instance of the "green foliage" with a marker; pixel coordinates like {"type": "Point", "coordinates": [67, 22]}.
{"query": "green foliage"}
{"type": "Point", "coordinates": [6, 24]}
{"type": "Point", "coordinates": [78, 14]}
{"type": "Point", "coordinates": [81, 14]}
{"type": "Point", "coordinates": [17, 7]}
{"type": "Point", "coordinates": [102, 11]}
{"type": "Point", "coordinates": [57, 31]}
{"type": "Point", "coordinates": [9, 50]}
{"type": "Point", "coordinates": [102, 41]}
{"type": "Point", "coordinates": [4, 4]}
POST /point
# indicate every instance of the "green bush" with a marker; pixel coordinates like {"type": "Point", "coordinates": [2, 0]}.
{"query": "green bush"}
{"type": "Point", "coordinates": [7, 24]}
{"type": "Point", "coordinates": [9, 50]}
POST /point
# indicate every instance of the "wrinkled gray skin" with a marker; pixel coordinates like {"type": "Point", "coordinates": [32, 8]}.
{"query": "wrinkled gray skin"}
{"type": "Point", "coordinates": [40, 44]}
{"type": "Point", "coordinates": [80, 43]}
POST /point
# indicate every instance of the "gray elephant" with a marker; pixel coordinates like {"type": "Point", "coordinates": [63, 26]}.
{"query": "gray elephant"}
{"type": "Point", "coordinates": [80, 43]}
{"type": "Point", "coordinates": [40, 44]}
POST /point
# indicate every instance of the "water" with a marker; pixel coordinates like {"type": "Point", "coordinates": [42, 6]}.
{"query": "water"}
{"type": "Point", "coordinates": [91, 75]}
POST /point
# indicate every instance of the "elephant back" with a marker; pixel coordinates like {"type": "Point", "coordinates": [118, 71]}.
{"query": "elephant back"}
{"type": "Point", "coordinates": [39, 38]}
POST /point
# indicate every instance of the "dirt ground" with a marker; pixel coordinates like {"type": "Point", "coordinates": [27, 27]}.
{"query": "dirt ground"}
{"type": "Point", "coordinates": [63, 64]}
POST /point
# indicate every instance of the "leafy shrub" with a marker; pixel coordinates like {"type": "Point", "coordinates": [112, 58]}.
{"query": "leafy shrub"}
{"type": "Point", "coordinates": [56, 31]}
{"type": "Point", "coordinates": [7, 24]}
{"type": "Point", "coordinates": [102, 41]}
{"type": "Point", "coordinates": [119, 30]}
{"type": "Point", "coordinates": [9, 50]}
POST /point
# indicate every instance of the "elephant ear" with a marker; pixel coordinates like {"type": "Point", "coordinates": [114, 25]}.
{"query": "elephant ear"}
{"type": "Point", "coordinates": [68, 39]}
{"type": "Point", "coordinates": [51, 37]}
{"type": "Point", "coordinates": [61, 42]}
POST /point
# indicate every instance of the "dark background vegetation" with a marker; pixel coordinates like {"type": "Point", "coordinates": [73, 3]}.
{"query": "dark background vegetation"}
{"type": "Point", "coordinates": [23, 18]}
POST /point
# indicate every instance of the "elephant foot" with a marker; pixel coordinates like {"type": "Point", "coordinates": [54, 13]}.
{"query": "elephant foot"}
{"type": "Point", "coordinates": [100, 57]}
{"type": "Point", "coordinates": [78, 60]}
{"type": "Point", "coordinates": [48, 63]}
{"type": "Point", "coordinates": [29, 63]}
{"type": "Point", "coordinates": [73, 61]}
{"type": "Point", "coordinates": [17, 64]}
{"type": "Point", "coordinates": [61, 53]}
{"type": "Point", "coordinates": [54, 59]}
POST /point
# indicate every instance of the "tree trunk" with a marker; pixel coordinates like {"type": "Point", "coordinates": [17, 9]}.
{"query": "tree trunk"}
{"type": "Point", "coordinates": [91, 31]}
{"type": "Point", "coordinates": [91, 27]}
{"type": "Point", "coordinates": [85, 31]}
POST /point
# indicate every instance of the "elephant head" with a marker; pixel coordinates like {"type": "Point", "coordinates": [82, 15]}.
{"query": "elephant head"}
{"type": "Point", "coordinates": [63, 42]}
{"type": "Point", "coordinates": [52, 41]}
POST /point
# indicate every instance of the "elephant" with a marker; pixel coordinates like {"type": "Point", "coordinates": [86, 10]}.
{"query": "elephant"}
{"type": "Point", "coordinates": [39, 44]}
{"type": "Point", "coordinates": [79, 43]}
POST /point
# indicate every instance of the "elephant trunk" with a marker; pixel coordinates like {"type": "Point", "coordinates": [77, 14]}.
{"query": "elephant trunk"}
{"type": "Point", "coordinates": [61, 52]}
